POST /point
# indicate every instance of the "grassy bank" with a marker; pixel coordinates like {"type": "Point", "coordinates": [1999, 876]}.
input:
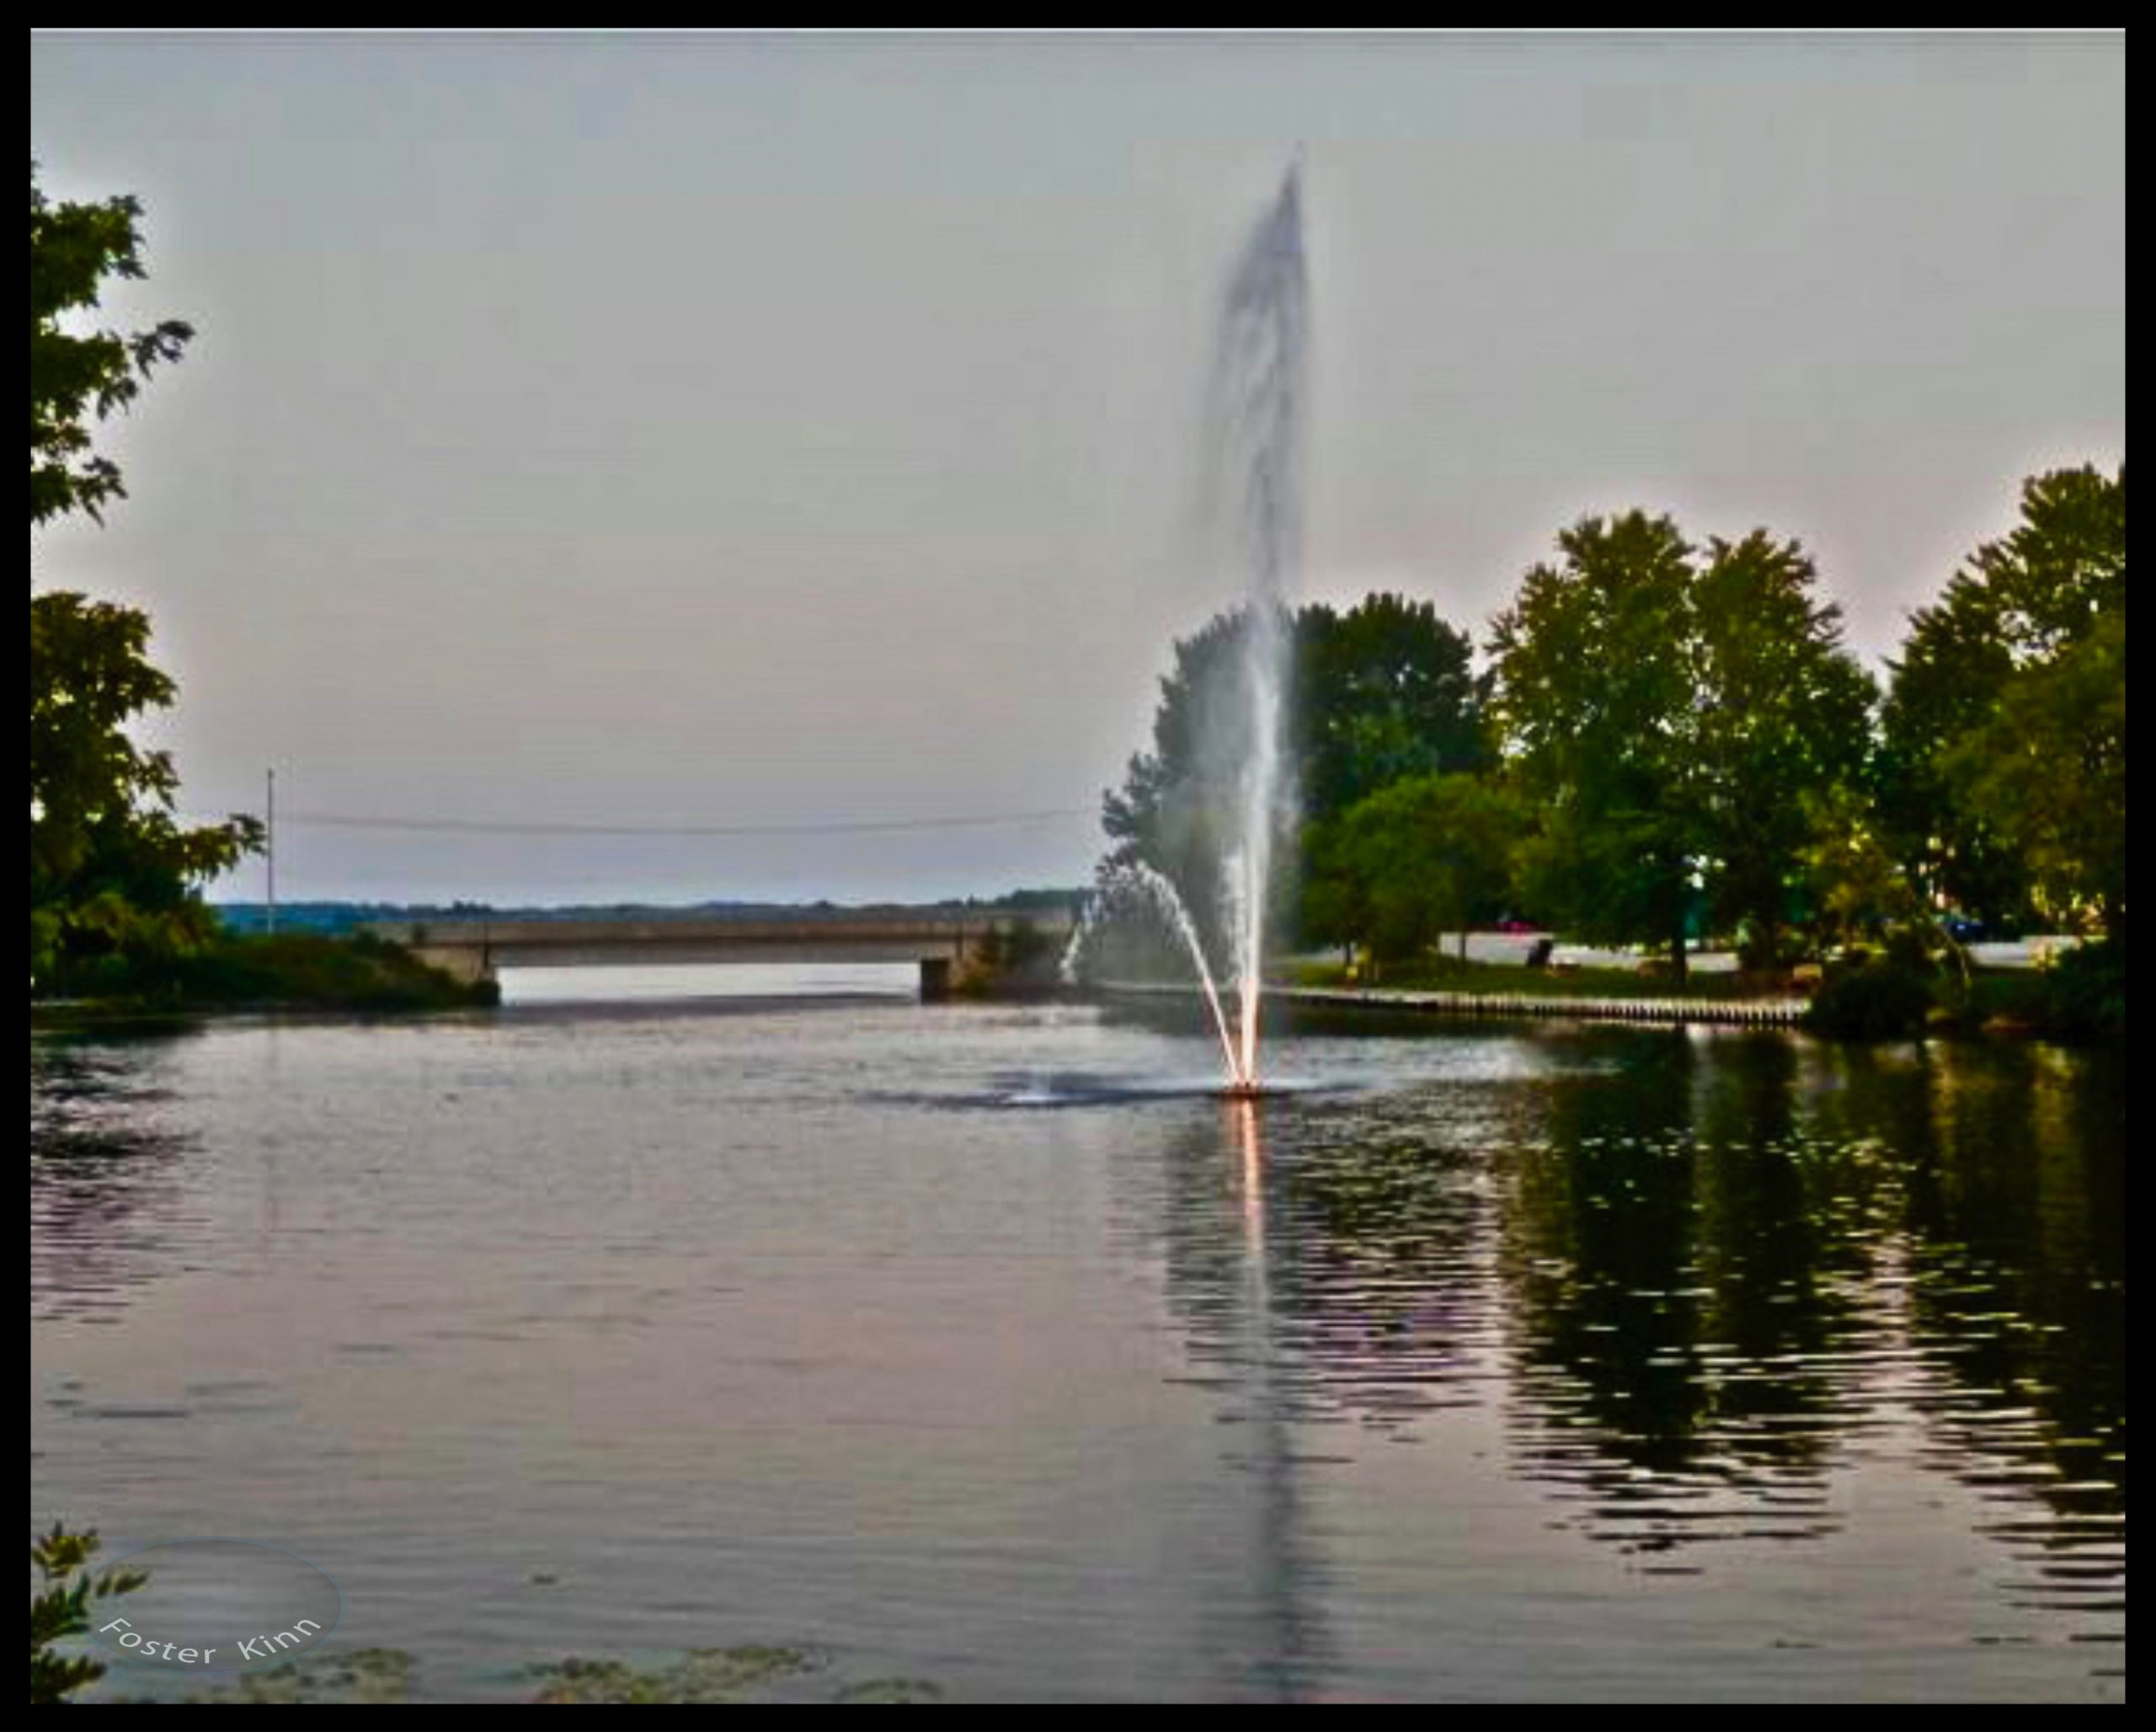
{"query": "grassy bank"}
{"type": "Point", "coordinates": [254, 971]}
{"type": "Point", "coordinates": [2080, 998]}
{"type": "Point", "coordinates": [1449, 973]}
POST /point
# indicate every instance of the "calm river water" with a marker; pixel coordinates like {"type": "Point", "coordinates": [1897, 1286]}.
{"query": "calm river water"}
{"type": "Point", "coordinates": [971, 1347]}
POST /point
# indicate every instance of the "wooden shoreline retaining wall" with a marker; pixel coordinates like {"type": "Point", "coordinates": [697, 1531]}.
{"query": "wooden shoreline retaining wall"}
{"type": "Point", "coordinates": [1735, 1012]}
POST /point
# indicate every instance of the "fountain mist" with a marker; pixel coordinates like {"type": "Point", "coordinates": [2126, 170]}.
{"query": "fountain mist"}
{"type": "Point", "coordinates": [1120, 888]}
{"type": "Point", "coordinates": [1251, 505]}
{"type": "Point", "coordinates": [1254, 494]}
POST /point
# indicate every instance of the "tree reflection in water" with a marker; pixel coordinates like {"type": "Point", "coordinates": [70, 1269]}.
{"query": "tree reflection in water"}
{"type": "Point", "coordinates": [103, 1167]}
{"type": "Point", "coordinates": [1706, 1271]}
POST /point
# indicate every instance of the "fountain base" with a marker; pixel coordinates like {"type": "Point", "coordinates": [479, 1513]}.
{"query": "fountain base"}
{"type": "Point", "coordinates": [1252, 1090]}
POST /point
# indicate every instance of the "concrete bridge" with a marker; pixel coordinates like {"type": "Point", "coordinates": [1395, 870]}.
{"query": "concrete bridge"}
{"type": "Point", "coordinates": [936, 940]}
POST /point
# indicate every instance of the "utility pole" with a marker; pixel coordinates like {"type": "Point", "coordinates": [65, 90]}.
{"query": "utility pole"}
{"type": "Point", "coordinates": [270, 851]}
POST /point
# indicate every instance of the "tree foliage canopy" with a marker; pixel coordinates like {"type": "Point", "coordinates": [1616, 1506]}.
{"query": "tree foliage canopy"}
{"type": "Point", "coordinates": [1669, 709]}
{"type": "Point", "coordinates": [2046, 773]}
{"type": "Point", "coordinates": [1596, 675]}
{"type": "Point", "coordinates": [1672, 740]}
{"type": "Point", "coordinates": [111, 873]}
{"type": "Point", "coordinates": [1784, 719]}
{"type": "Point", "coordinates": [1381, 693]}
{"type": "Point", "coordinates": [62, 1611]}
{"type": "Point", "coordinates": [2003, 748]}
{"type": "Point", "coordinates": [1425, 856]}
{"type": "Point", "coordinates": [1385, 690]}
{"type": "Point", "coordinates": [1179, 808]}
{"type": "Point", "coordinates": [78, 377]}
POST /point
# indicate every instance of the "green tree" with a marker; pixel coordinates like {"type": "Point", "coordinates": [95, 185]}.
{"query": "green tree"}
{"type": "Point", "coordinates": [2013, 677]}
{"type": "Point", "coordinates": [111, 873]}
{"type": "Point", "coordinates": [1861, 896]}
{"type": "Point", "coordinates": [2045, 774]}
{"type": "Point", "coordinates": [1952, 666]}
{"type": "Point", "coordinates": [1385, 692]}
{"type": "Point", "coordinates": [1672, 712]}
{"type": "Point", "coordinates": [1428, 855]}
{"type": "Point", "coordinates": [1783, 719]}
{"type": "Point", "coordinates": [1596, 701]}
{"type": "Point", "coordinates": [1381, 691]}
{"type": "Point", "coordinates": [75, 376]}
{"type": "Point", "coordinates": [1180, 805]}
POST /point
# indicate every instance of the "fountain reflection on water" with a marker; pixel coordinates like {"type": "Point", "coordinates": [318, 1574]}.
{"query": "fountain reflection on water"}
{"type": "Point", "coordinates": [1252, 501]}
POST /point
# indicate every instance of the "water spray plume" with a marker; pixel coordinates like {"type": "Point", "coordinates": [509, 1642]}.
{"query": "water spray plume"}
{"type": "Point", "coordinates": [1136, 886]}
{"type": "Point", "coordinates": [1255, 428]}
{"type": "Point", "coordinates": [1253, 504]}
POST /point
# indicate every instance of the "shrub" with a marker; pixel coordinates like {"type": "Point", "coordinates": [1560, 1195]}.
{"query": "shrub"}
{"type": "Point", "coordinates": [2085, 993]}
{"type": "Point", "coordinates": [1018, 958]}
{"type": "Point", "coordinates": [60, 1610]}
{"type": "Point", "coordinates": [1884, 998]}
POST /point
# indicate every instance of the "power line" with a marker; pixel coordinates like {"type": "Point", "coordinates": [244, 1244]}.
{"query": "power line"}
{"type": "Point", "coordinates": [479, 827]}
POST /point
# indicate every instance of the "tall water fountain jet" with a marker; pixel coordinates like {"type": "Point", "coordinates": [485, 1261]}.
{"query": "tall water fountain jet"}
{"type": "Point", "coordinates": [1254, 494]}
{"type": "Point", "coordinates": [1251, 505]}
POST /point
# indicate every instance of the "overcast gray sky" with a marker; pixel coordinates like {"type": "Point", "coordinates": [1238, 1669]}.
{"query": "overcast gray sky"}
{"type": "Point", "coordinates": [765, 431]}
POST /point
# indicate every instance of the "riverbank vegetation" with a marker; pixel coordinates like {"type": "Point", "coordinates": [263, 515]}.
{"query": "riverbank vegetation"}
{"type": "Point", "coordinates": [2078, 995]}
{"type": "Point", "coordinates": [114, 879]}
{"type": "Point", "coordinates": [1019, 961]}
{"type": "Point", "coordinates": [60, 1612]}
{"type": "Point", "coordinates": [257, 972]}
{"type": "Point", "coordinates": [118, 922]}
{"type": "Point", "coordinates": [1664, 744]}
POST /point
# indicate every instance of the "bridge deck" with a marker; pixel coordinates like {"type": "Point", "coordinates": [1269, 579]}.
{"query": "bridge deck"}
{"type": "Point", "coordinates": [469, 946]}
